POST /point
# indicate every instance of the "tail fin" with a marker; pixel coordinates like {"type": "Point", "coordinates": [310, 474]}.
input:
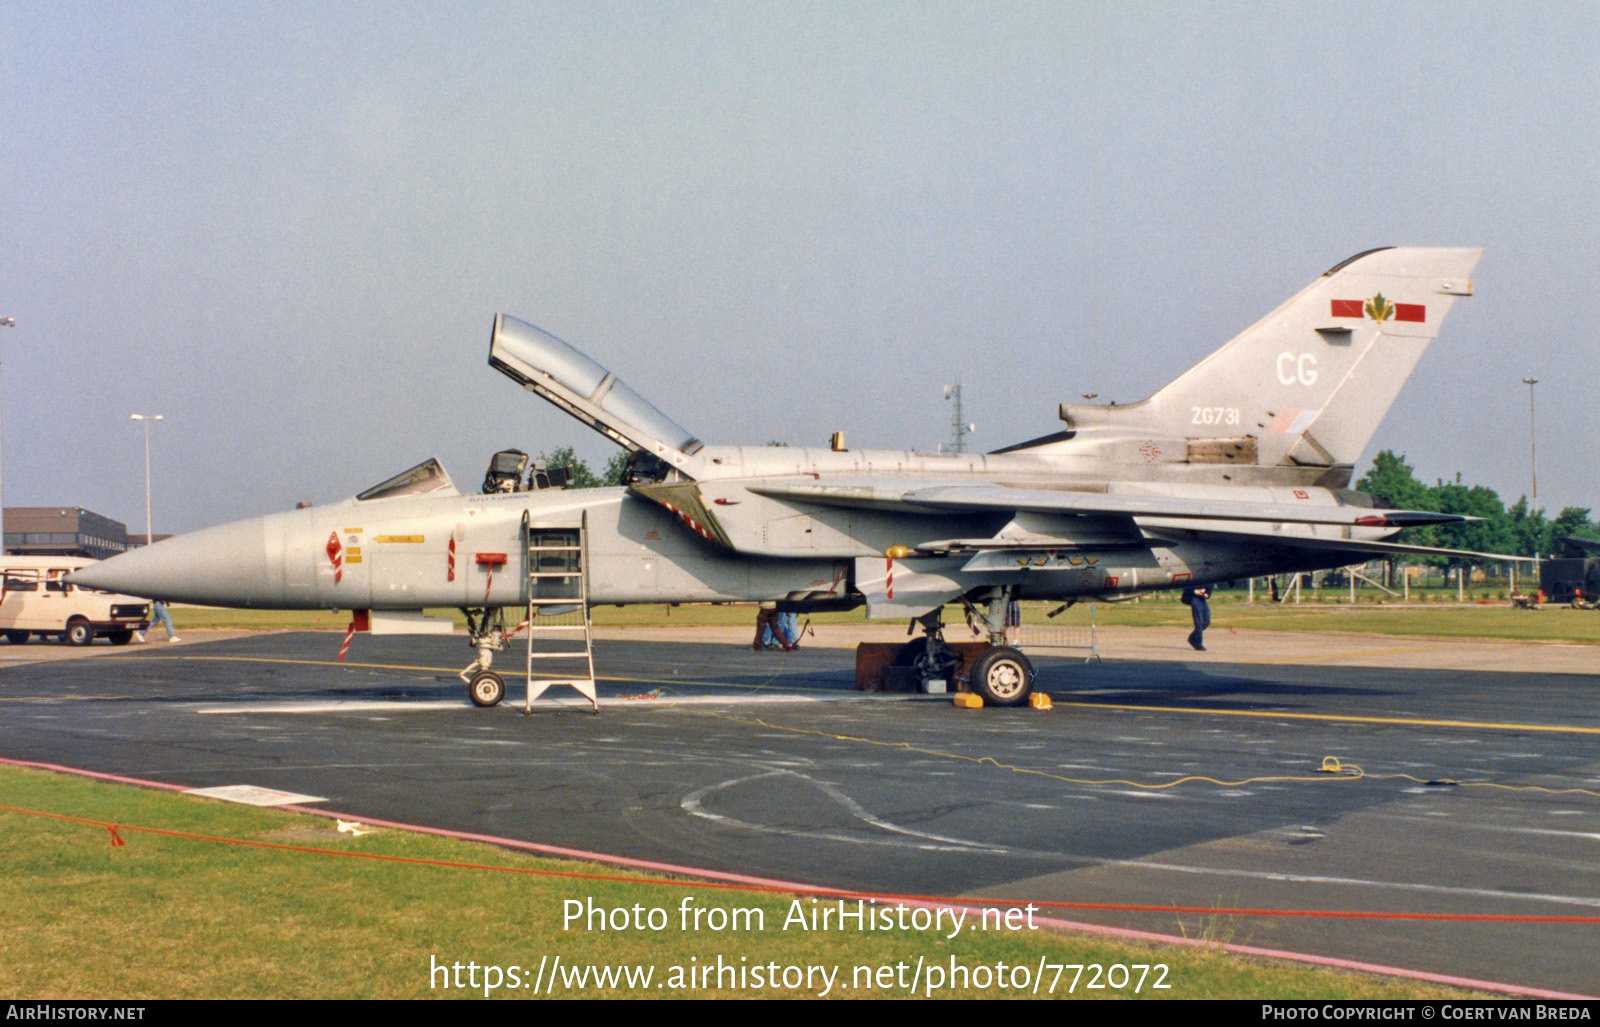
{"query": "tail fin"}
{"type": "Point", "coordinates": [1308, 384]}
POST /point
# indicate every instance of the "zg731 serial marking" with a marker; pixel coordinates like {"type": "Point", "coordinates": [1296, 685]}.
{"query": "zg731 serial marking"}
{"type": "Point", "coordinates": [1215, 415]}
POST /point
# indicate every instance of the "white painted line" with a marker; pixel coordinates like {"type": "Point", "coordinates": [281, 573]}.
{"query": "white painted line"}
{"type": "Point", "coordinates": [1289, 878]}
{"type": "Point", "coordinates": [429, 705]}
{"type": "Point", "coordinates": [718, 700]}
{"type": "Point", "coordinates": [253, 795]}
{"type": "Point", "coordinates": [693, 805]}
{"type": "Point", "coordinates": [339, 706]}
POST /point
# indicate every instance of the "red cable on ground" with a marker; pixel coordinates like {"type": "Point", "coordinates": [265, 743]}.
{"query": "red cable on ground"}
{"type": "Point", "coordinates": [878, 897]}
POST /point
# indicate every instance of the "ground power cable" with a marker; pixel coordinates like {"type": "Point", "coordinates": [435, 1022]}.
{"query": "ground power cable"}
{"type": "Point", "coordinates": [116, 829]}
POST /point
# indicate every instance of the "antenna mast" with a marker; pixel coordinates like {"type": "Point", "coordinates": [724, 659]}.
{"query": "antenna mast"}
{"type": "Point", "coordinates": [960, 428]}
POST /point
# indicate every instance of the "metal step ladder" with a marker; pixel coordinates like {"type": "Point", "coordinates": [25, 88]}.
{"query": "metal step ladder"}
{"type": "Point", "coordinates": [557, 562]}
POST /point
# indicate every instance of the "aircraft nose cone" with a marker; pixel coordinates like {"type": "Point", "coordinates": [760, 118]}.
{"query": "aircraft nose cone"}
{"type": "Point", "coordinates": [225, 565]}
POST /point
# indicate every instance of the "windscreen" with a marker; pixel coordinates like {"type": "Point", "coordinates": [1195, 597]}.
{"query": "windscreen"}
{"type": "Point", "coordinates": [427, 476]}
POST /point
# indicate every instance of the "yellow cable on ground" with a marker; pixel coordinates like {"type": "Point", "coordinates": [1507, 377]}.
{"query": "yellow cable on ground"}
{"type": "Point", "coordinates": [1444, 782]}
{"type": "Point", "coordinates": [1346, 772]}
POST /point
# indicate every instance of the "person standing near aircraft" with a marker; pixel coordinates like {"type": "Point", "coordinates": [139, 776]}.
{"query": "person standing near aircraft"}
{"type": "Point", "coordinates": [769, 635]}
{"type": "Point", "coordinates": [1199, 602]}
{"type": "Point", "coordinates": [789, 628]}
{"type": "Point", "coordinates": [158, 611]}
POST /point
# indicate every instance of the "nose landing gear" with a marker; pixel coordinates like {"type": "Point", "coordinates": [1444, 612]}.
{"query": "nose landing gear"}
{"type": "Point", "coordinates": [486, 632]}
{"type": "Point", "coordinates": [486, 688]}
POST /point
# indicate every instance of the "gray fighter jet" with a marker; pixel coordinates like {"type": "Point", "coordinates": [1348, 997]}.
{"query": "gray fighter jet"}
{"type": "Point", "coordinates": [1237, 468]}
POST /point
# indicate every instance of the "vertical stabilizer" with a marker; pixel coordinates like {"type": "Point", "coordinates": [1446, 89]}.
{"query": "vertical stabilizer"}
{"type": "Point", "coordinates": [1308, 384]}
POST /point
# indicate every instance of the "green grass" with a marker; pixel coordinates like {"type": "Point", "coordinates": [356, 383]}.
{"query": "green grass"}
{"type": "Point", "coordinates": [169, 917]}
{"type": "Point", "coordinates": [1448, 620]}
{"type": "Point", "coordinates": [1440, 620]}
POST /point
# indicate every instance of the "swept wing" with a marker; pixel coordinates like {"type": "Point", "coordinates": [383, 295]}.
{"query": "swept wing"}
{"type": "Point", "coordinates": [995, 497]}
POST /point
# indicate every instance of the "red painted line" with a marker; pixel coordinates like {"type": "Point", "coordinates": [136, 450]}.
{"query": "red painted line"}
{"type": "Point", "coordinates": [96, 775]}
{"type": "Point", "coordinates": [721, 879]}
{"type": "Point", "coordinates": [510, 843]}
{"type": "Point", "coordinates": [729, 879]}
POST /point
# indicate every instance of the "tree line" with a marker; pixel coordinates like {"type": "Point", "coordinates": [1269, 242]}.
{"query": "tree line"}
{"type": "Point", "coordinates": [583, 477]}
{"type": "Point", "coordinates": [1517, 530]}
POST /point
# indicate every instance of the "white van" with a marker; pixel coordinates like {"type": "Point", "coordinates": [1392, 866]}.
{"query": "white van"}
{"type": "Point", "coordinates": [36, 599]}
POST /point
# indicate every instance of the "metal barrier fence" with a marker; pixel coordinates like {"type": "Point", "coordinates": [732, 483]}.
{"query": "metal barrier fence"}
{"type": "Point", "coordinates": [1063, 631]}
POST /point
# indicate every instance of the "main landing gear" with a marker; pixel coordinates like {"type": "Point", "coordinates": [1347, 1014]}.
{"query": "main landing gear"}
{"type": "Point", "coordinates": [1001, 674]}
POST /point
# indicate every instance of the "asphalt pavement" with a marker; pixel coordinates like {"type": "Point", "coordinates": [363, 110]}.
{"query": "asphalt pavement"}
{"type": "Point", "coordinates": [1164, 781]}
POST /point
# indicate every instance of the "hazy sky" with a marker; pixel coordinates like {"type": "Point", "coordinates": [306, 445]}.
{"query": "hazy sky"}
{"type": "Point", "coordinates": [287, 226]}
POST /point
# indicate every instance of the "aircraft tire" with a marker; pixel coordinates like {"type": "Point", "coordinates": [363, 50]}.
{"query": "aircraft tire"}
{"type": "Point", "coordinates": [16, 637]}
{"type": "Point", "coordinates": [914, 654]}
{"type": "Point", "coordinates": [1003, 676]}
{"type": "Point", "coordinates": [120, 637]}
{"type": "Point", "coordinates": [487, 688]}
{"type": "Point", "coordinates": [79, 632]}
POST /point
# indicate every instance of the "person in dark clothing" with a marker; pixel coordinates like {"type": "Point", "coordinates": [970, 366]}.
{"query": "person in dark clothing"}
{"type": "Point", "coordinates": [1199, 602]}
{"type": "Point", "coordinates": [769, 633]}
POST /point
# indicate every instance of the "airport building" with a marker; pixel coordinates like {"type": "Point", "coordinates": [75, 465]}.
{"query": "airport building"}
{"type": "Point", "coordinates": [64, 531]}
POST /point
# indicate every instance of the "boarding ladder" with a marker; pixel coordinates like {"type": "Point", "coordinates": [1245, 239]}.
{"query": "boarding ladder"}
{"type": "Point", "coordinates": [560, 635]}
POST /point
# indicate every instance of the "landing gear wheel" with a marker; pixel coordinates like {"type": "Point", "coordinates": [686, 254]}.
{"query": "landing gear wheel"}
{"type": "Point", "coordinates": [486, 688]}
{"type": "Point", "coordinates": [940, 665]}
{"type": "Point", "coordinates": [16, 637]}
{"type": "Point", "coordinates": [120, 637]}
{"type": "Point", "coordinates": [907, 655]}
{"type": "Point", "coordinates": [1003, 676]}
{"type": "Point", "coordinates": [79, 632]}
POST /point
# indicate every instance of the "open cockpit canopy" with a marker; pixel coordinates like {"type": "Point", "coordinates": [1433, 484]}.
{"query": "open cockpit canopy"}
{"type": "Point", "coordinates": [543, 364]}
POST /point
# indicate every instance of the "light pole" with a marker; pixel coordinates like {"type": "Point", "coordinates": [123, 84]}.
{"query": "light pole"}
{"type": "Point", "coordinates": [1533, 439]}
{"type": "Point", "coordinates": [7, 322]}
{"type": "Point", "coordinates": [149, 535]}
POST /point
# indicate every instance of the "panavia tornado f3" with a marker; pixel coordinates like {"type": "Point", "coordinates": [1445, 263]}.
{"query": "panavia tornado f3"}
{"type": "Point", "coordinates": [1240, 467]}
